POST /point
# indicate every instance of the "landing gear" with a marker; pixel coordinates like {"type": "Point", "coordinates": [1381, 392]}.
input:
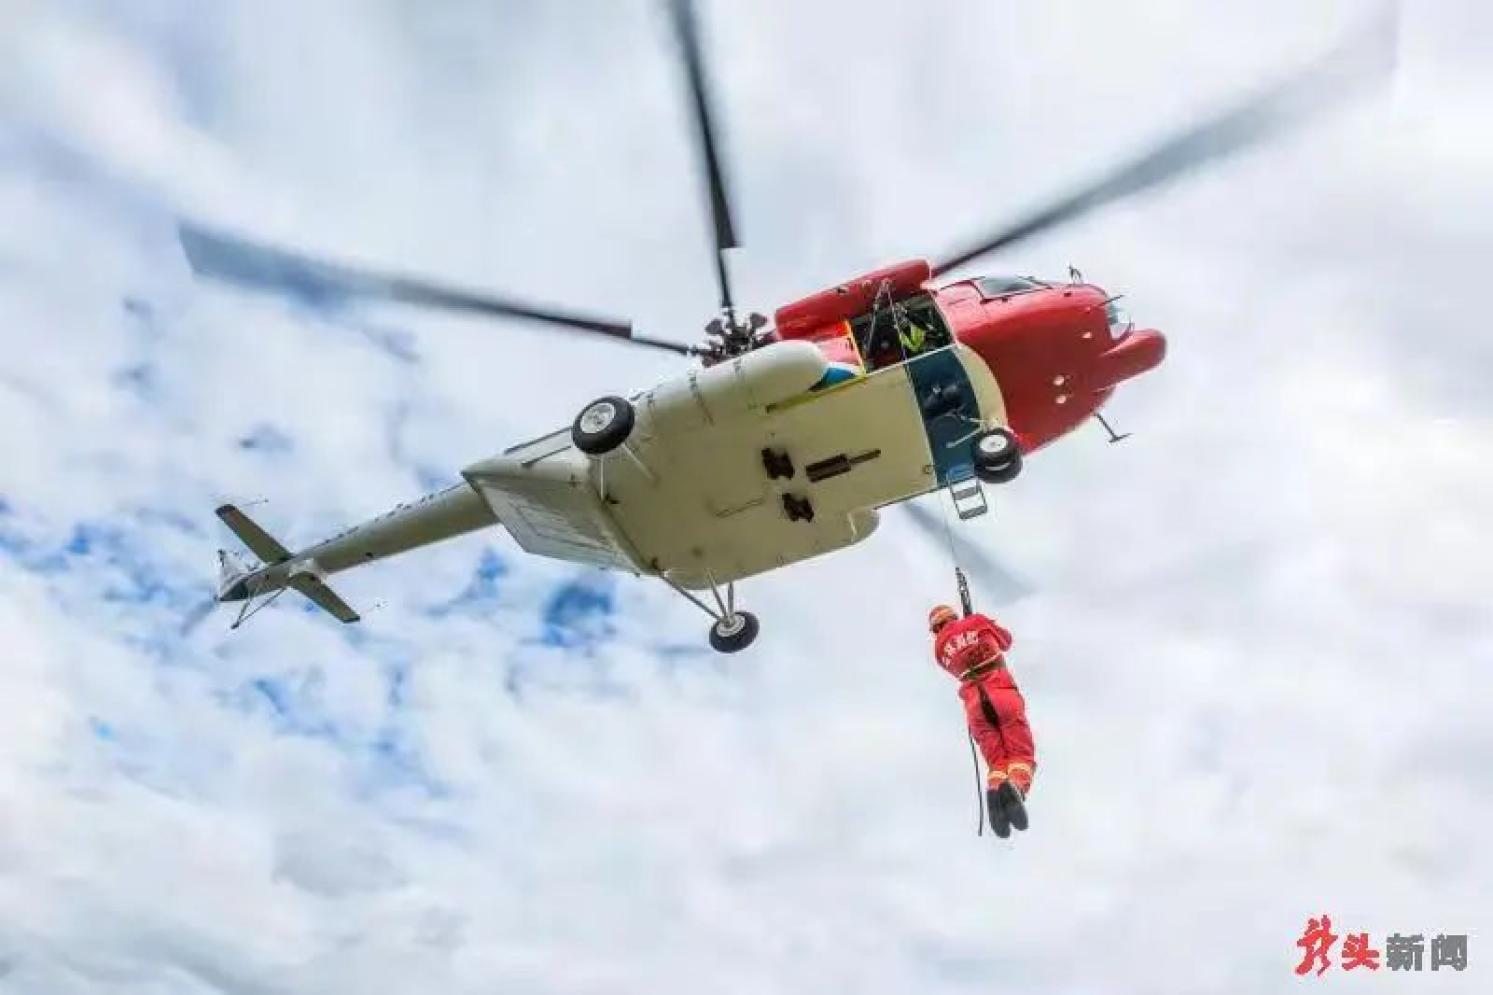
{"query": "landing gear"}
{"type": "Point", "coordinates": [734, 633]}
{"type": "Point", "coordinates": [731, 631]}
{"type": "Point", "coordinates": [603, 425]}
{"type": "Point", "coordinates": [996, 456]}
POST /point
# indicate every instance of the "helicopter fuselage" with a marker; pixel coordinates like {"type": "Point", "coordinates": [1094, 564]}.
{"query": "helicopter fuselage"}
{"type": "Point", "coordinates": [786, 452]}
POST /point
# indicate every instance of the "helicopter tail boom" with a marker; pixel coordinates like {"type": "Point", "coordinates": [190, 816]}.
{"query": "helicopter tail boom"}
{"type": "Point", "coordinates": [428, 520]}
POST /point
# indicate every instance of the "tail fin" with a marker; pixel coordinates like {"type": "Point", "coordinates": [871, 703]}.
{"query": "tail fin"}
{"type": "Point", "coordinates": [260, 542]}
{"type": "Point", "coordinates": [303, 575]}
{"type": "Point", "coordinates": [313, 587]}
{"type": "Point", "coordinates": [230, 568]}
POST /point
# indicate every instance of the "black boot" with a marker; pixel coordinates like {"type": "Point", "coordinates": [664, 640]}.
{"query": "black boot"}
{"type": "Point", "coordinates": [1013, 804]}
{"type": "Point", "coordinates": [998, 821]}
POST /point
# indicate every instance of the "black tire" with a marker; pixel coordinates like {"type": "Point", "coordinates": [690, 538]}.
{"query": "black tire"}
{"type": "Point", "coordinates": [603, 425]}
{"type": "Point", "coordinates": [996, 455]}
{"type": "Point", "coordinates": [734, 638]}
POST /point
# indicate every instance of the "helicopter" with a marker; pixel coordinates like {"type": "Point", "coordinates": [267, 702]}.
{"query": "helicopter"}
{"type": "Point", "coordinates": [788, 436]}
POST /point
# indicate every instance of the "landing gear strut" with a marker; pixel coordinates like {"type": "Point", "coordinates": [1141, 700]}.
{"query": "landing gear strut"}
{"type": "Point", "coordinates": [731, 631]}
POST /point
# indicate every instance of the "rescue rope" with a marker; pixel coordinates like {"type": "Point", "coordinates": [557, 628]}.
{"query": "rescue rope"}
{"type": "Point", "coordinates": [974, 754]}
{"type": "Point", "coordinates": [948, 531]}
{"type": "Point", "coordinates": [959, 579]}
{"type": "Point", "coordinates": [974, 759]}
{"type": "Point", "coordinates": [899, 320]}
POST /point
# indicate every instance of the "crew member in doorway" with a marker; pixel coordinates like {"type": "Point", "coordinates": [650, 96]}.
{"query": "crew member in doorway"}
{"type": "Point", "coordinates": [912, 336]}
{"type": "Point", "coordinates": [973, 649]}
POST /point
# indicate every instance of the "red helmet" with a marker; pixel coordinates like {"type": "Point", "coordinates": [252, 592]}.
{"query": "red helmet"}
{"type": "Point", "coordinates": [940, 616]}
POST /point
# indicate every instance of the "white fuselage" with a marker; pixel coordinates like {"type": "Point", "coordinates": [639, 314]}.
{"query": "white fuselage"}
{"type": "Point", "coordinates": [687, 497]}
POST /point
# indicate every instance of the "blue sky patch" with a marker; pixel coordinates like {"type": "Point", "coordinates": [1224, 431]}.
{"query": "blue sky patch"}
{"type": "Point", "coordinates": [274, 693]}
{"type": "Point", "coordinates": [482, 591]}
{"type": "Point", "coordinates": [386, 757]}
{"type": "Point", "coordinates": [396, 763]}
{"type": "Point", "coordinates": [579, 614]}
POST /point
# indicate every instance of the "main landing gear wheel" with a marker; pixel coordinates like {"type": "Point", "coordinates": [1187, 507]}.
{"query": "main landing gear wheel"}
{"type": "Point", "coordinates": [733, 633]}
{"type": "Point", "coordinates": [997, 457]}
{"type": "Point", "coordinates": [603, 425]}
{"type": "Point", "coordinates": [730, 631]}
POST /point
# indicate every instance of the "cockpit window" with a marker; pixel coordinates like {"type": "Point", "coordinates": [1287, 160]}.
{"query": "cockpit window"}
{"type": "Point", "coordinates": [999, 286]}
{"type": "Point", "coordinates": [1119, 319]}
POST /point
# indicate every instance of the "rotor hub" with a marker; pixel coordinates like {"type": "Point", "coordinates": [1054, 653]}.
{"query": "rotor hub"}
{"type": "Point", "coordinates": [727, 337]}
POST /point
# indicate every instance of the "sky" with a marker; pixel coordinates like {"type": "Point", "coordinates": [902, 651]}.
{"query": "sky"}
{"type": "Point", "coordinates": [1256, 648]}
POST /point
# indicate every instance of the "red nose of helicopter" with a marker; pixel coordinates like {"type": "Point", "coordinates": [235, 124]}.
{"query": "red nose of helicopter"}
{"type": "Point", "coordinates": [1057, 350]}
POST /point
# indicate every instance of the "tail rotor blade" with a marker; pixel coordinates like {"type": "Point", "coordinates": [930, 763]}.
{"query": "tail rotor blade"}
{"type": "Point", "coordinates": [1365, 58]}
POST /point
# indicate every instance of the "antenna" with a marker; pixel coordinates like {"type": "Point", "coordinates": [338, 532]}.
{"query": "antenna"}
{"type": "Point", "coordinates": [1113, 438]}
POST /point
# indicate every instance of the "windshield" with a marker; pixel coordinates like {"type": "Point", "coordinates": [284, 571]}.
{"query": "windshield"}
{"type": "Point", "coordinates": [1119, 319]}
{"type": "Point", "coordinates": [999, 286]}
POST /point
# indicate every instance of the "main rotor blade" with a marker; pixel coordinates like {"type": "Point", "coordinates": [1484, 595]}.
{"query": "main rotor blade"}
{"type": "Point", "coordinates": [993, 582]}
{"type": "Point", "coordinates": [687, 31]}
{"type": "Point", "coordinates": [1364, 58]}
{"type": "Point", "coordinates": [222, 256]}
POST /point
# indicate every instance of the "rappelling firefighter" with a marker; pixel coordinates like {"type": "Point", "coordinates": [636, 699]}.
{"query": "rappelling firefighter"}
{"type": "Point", "coordinates": [973, 649]}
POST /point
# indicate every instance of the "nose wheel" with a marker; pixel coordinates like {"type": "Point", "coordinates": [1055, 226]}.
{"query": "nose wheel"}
{"type": "Point", "coordinates": [996, 456]}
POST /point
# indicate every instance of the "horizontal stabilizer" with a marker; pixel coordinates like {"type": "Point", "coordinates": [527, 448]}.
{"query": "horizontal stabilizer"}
{"type": "Point", "coordinates": [260, 542]}
{"type": "Point", "coordinates": [322, 596]}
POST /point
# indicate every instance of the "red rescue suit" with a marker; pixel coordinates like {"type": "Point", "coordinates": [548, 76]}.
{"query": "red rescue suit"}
{"type": "Point", "coordinates": [973, 649]}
